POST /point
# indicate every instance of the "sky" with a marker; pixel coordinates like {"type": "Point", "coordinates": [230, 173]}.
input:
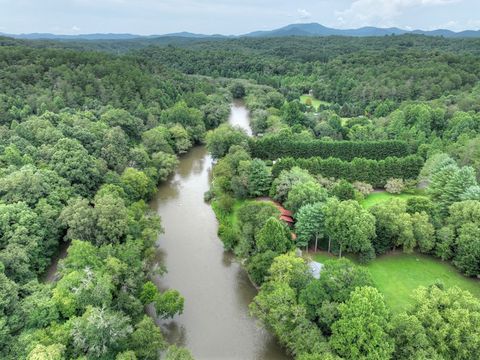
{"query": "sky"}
{"type": "Point", "coordinates": [229, 17]}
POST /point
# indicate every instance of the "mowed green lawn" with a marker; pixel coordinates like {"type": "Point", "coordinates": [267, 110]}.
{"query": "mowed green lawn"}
{"type": "Point", "coordinates": [397, 275]}
{"type": "Point", "coordinates": [315, 102]}
{"type": "Point", "coordinates": [379, 197]}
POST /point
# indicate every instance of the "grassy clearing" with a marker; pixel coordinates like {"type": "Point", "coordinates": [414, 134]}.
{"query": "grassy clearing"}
{"type": "Point", "coordinates": [315, 102]}
{"type": "Point", "coordinates": [380, 197]}
{"type": "Point", "coordinates": [229, 218]}
{"type": "Point", "coordinates": [233, 215]}
{"type": "Point", "coordinates": [228, 222]}
{"type": "Point", "coordinates": [397, 275]}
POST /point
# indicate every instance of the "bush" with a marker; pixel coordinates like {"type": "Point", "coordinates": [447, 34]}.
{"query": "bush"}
{"type": "Point", "coordinates": [445, 240]}
{"type": "Point", "coordinates": [394, 186]}
{"type": "Point", "coordinates": [419, 204]}
{"type": "Point", "coordinates": [364, 188]}
{"type": "Point", "coordinates": [343, 190]}
{"type": "Point", "coordinates": [327, 183]}
{"type": "Point", "coordinates": [225, 203]}
{"type": "Point", "coordinates": [228, 235]}
{"type": "Point", "coordinates": [366, 256]}
{"type": "Point", "coordinates": [208, 195]}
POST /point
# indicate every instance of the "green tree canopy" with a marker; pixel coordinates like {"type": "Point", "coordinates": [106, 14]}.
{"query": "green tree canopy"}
{"type": "Point", "coordinates": [310, 224]}
{"type": "Point", "coordinates": [222, 138]}
{"type": "Point", "coordinates": [349, 226]}
{"type": "Point", "coordinates": [274, 236]}
{"type": "Point", "coordinates": [362, 332]}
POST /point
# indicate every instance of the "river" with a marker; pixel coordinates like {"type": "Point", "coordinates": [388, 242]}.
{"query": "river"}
{"type": "Point", "coordinates": [215, 323]}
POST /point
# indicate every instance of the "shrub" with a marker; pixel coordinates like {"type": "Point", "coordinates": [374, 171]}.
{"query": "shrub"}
{"type": "Point", "coordinates": [344, 190]}
{"type": "Point", "coordinates": [394, 186]}
{"type": "Point", "coordinates": [445, 240]}
{"type": "Point", "coordinates": [366, 256]}
{"type": "Point", "coordinates": [364, 188]}
{"type": "Point", "coordinates": [228, 235]}
{"type": "Point", "coordinates": [327, 183]}
{"type": "Point", "coordinates": [208, 195]}
{"type": "Point", "coordinates": [419, 204]}
{"type": "Point", "coordinates": [225, 203]}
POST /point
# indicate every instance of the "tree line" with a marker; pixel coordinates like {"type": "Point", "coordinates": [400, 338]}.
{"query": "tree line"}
{"type": "Point", "coordinates": [275, 147]}
{"type": "Point", "coordinates": [374, 172]}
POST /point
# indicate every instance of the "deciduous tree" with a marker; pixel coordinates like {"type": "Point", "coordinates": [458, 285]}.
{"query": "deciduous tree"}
{"type": "Point", "coordinates": [310, 224]}
{"type": "Point", "coordinates": [349, 226]}
{"type": "Point", "coordinates": [362, 332]}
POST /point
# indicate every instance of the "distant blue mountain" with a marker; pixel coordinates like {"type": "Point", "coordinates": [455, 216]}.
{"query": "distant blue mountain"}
{"type": "Point", "coordinates": [312, 29]}
{"type": "Point", "coordinates": [190, 35]}
{"type": "Point", "coordinates": [48, 36]}
{"type": "Point", "coordinates": [94, 37]}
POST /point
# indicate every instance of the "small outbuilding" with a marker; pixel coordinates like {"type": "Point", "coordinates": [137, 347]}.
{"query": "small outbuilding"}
{"type": "Point", "coordinates": [315, 269]}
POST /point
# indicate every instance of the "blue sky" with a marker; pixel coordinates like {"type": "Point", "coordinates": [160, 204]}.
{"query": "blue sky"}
{"type": "Point", "coordinates": [229, 16]}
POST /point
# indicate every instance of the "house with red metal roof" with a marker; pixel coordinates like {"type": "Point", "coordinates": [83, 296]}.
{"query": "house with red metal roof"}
{"type": "Point", "coordinates": [285, 215]}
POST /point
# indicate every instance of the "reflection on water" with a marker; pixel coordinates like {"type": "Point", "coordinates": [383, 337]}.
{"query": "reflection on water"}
{"type": "Point", "coordinates": [216, 322]}
{"type": "Point", "coordinates": [51, 273]}
{"type": "Point", "coordinates": [240, 116]}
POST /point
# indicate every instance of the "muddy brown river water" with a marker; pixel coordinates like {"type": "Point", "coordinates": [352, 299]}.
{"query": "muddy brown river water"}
{"type": "Point", "coordinates": [215, 323]}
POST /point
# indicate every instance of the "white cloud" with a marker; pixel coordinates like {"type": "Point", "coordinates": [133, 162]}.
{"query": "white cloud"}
{"type": "Point", "coordinates": [303, 14]}
{"type": "Point", "coordinates": [381, 12]}
{"type": "Point", "coordinates": [472, 24]}
{"type": "Point", "coordinates": [75, 28]}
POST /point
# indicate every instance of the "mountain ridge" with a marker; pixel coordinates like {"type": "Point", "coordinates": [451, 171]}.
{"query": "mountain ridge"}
{"type": "Point", "coordinates": [300, 29]}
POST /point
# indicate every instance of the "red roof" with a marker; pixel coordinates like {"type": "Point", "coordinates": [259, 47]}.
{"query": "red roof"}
{"type": "Point", "coordinates": [286, 218]}
{"type": "Point", "coordinates": [286, 215]}
{"type": "Point", "coordinates": [284, 211]}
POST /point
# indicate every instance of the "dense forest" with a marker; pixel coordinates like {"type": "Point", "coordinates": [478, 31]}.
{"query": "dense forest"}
{"type": "Point", "coordinates": [352, 73]}
{"type": "Point", "coordinates": [369, 147]}
{"type": "Point", "coordinates": [85, 139]}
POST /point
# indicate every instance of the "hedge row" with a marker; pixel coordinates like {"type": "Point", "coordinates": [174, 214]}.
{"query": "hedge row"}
{"type": "Point", "coordinates": [276, 147]}
{"type": "Point", "coordinates": [374, 172]}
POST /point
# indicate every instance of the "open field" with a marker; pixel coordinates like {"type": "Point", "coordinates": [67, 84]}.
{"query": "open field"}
{"type": "Point", "coordinates": [315, 102]}
{"type": "Point", "coordinates": [379, 197]}
{"type": "Point", "coordinates": [397, 275]}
